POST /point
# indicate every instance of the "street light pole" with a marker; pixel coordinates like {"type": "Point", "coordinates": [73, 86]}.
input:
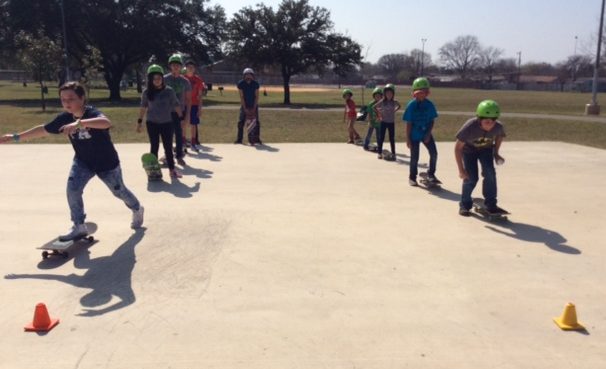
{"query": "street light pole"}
{"type": "Point", "coordinates": [519, 68]}
{"type": "Point", "coordinates": [423, 40]}
{"type": "Point", "coordinates": [593, 108]}
{"type": "Point", "coordinates": [574, 59]}
{"type": "Point", "coordinates": [65, 54]}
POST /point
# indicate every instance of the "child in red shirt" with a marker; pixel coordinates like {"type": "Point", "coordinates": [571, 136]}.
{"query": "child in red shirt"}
{"type": "Point", "coordinates": [197, 90]}
{"type": "Point", "coordinates": [350, 116]}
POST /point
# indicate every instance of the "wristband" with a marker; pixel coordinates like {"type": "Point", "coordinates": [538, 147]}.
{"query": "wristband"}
{"type": "Point", "coordinates": [16, 137]}
{"type": "Point", "coordinates": [79, 124]}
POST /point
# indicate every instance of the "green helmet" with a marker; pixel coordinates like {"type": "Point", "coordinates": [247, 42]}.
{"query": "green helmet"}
{"type": "Point", "coordinates": [420, 83]}
{"type": "Point", "coordinates": [377, 90]}
{"type": "Point", "coordinates": [389, 86]}
{"type": "Point", "coordinates": [488, 109]}
{"type": "Point", "coordinates": [183, 70]}
{"type": "Point", "coordinates": [347, 91]}
{"type": "Point", "coordinates": [175, 58]}
{"type": "Point", "coordinates": [155, 68]}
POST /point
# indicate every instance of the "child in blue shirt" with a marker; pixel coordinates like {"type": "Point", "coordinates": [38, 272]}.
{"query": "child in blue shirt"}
{"type": "Point", "coordinates": [419, 116]}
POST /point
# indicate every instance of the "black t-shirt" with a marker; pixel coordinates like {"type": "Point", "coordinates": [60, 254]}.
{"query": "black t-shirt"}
{"type": "Point", "coordinates": [93, 147]}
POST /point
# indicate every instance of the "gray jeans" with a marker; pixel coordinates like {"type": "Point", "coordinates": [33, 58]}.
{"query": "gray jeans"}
{"type": "Point", "coordinates": [79, 176]}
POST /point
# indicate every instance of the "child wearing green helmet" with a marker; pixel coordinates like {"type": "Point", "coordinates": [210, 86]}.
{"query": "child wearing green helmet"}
{"type": "Point", "coordinates": [386, 109]}
{"type": "Point", "coordinates": [350, 115]}
{"type": "Point", "coordinates": [479, 140]}
{"type": "Point", "coordinates": [374, 124]}
{"type": "Point", "coordinates": [158, 104]}
{"type": "Point", "coordinates": [182, 88]}
{"type": "Point", "coordinates": [420, 115]}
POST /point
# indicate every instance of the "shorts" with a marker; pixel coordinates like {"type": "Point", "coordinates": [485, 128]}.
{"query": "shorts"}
{"type": "Point", "coordinates": [193, 115]}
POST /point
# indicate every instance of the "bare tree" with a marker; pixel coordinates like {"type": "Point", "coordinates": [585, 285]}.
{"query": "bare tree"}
{"type": "Point", "coordinates": [461, 55]}
{"type": "Point", "coordinates": [394, 64]}
{"type": "Point", "coordinates": [420, 58]}
{"type": "Point", "coordinates": [488, 59]}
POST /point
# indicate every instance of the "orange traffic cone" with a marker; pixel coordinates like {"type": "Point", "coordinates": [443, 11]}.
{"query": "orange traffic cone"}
{"type": "Point", "coordinates": [42, 321]}
{"type": "Point", "coordinates": [568, 320]}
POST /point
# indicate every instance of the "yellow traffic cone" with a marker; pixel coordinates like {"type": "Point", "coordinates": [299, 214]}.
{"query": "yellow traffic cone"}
{"type": "Point", "coordinates": [568, 320]}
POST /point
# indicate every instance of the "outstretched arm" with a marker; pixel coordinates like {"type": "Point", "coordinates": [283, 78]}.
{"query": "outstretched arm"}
{"type": "Point", "coordinates": [35, 132]}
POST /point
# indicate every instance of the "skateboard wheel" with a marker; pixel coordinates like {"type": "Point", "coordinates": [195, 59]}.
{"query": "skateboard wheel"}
{"type": "Point", "coordinates": [65, 255]}
{"type": "Point", "coordinates": [44, 254]}
{"type": "Point", "coordinates": [90, 239]}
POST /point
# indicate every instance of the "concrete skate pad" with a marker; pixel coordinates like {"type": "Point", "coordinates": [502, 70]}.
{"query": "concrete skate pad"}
{"type": "Point", "coordinates": [307, 256]}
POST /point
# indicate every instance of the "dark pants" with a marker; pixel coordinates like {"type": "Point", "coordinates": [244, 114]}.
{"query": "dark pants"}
{"type": "Point", "coordinates": [241, 120]}
{"type": "Point", "coordinates": [391, 127]}
{"type": "Point", "coordinates": [371, 129]}
{"type": "Point", "coordinates": [178, 131]}
{"type": "Point", "coordinates": [489, 184]}
{"type": "Point", "coordinates": [164, 131]}
{"type": "Point", "coordinates": [414, 157]}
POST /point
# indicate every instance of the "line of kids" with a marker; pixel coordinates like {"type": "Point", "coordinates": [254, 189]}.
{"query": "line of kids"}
{"type": "Point", "coordinates": [478, 140]}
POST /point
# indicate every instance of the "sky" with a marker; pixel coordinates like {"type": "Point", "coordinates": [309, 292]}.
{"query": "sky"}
{"type": "Point", "coordinates": [542, 30]}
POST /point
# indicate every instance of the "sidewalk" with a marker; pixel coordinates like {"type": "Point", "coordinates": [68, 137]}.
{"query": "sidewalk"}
{"type": "Point", "coordinates": [307, 256]}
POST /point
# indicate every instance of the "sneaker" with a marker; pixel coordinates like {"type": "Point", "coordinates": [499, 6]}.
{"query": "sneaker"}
{"type": "Point", "coordinates": [187, 143]}
{"type": "Point", "coordinates": [77, 231]}
{"type": "Point", "coordinates": [195, 148]}
{"type": "Point", "coordinates": [137, 218]}
{"type": "Point", "coordinates": [175, 174]}
{"type": "Point", "coordinates": [464, 212]}
{"type": "Point", "coordinates": [380, 156]}
{"type": "Point", "coordinates": [413, 182]}
{"type": "Point", "coordinates": [237, 142]}
{"type": "Point", "coordinates": [181, 162]}
{"type": "Point", "coordinates": [350, 142]}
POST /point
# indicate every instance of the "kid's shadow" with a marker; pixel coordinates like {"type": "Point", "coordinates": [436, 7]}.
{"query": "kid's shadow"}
{"type": "Point", "coordinates": [206, 153]}
{"type": "Point", "coordinates": [443, 193]}
{"type": "Point", "coordinates": [198, 172]}
{"type": "Point", "coordinates": [108, 278]}
{"type": "Point", "coordinates": [532, 233]}
{"type": "Point", "coordinates": [265, 147]}
{"type": "Point", "coordinates": [401, 161]}
{"type": "Point", "coordinates": [176, 187]}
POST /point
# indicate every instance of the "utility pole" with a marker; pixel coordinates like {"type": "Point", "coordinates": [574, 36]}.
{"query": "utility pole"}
{"type": "Point", "coordinates": [593, 108]}
{"type": "Point", "coordinates": [519, 69]}
{"type": "Point", "coordinates": [574, 59]}
{"type": "Point", "coordinates": [423, 40]}
{"type": "Point", "coordinates": [65, 54]}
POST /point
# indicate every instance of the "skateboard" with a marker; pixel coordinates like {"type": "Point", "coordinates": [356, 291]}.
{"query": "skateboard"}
{"type": "Point", "coordinates": [252, 130]}
{"type": "Point", "coordinates": [480, 208]}
{"type": "Point", "coordinates": [388, 156]}
{"type": "Point", "coordinates": [427, 183]}
{"type": "Point", "coordinates": [151, 166]}
{"type": "Point", "coordinates": [60, 248]}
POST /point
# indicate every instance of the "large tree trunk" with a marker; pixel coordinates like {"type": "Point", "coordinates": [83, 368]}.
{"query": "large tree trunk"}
{"type": "Point", "coordinates": [286, 82]}
{"type": "Point", "coordinates": [113, 75]}
{"type": "Point", "coordinates": [42, 99]}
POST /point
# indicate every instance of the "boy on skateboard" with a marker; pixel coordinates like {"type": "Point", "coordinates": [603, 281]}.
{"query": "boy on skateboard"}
{"type": "Point", "coordinates": [420, 115]}
{"type": "Point", "coordinates": [182, 88]}
{"type": "Point", "coordinates": [479, 139]}
{"type": "Point", "coordinates": [88, 131]}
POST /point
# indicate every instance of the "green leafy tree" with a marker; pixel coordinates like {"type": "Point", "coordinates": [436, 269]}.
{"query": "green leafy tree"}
{"type": "Point", "coordinates": [295, 38]}
{"type": "Point", "coordinates": [40, 55]}
{"type": "Point", "coordinates": [126, 32]}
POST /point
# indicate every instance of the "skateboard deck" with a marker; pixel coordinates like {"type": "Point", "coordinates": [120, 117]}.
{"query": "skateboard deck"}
{"type": "Point", "coordinates": [427, 183]}
{"type": "Point", "coordinates": [252, 130]}
{"type": "Point", "coordinates": [60, 248]}
{"type": "Point", "coordinates": [388, 156]}
{"type": "Point", "coordinates": [151, 166]}
{"type": "Point", "coordinates": [480, 208]}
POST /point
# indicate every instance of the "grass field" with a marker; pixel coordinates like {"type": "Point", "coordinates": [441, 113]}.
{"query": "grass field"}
{"type": "Point", "coordinates": [20, 109]}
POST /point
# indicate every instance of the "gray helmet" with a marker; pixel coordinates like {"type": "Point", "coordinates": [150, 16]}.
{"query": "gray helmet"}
{"type": "Point", "coordinates": [248, 71]}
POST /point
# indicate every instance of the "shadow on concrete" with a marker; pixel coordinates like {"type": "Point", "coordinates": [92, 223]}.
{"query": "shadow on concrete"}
{"type": "Point", "coordinates": [264, 147]}
{"type": "Point", "coordinates": [531, 233]}
{"type": "Point", "coordinates": [442, 193]}
{"type": "Point", "coordinates": [198, 172]}
{"type": "Point", "coordinates": [109, 277]}
{"type": "Point", "coordinates": [176, 187]}
{"type": "Point", "coordinates": [205, 153]}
